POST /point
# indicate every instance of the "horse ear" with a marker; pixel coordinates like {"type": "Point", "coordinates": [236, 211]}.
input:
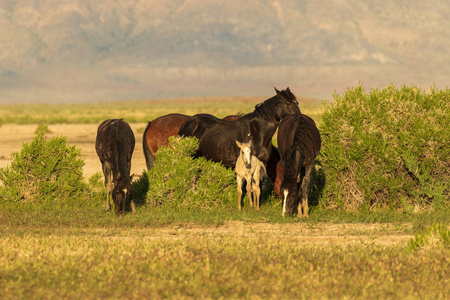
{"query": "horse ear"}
{"type": "Point", "coordinates": [238, 144]}
{"type": "Point", "coordinates": [250, 143]}
{"type": "Point", "coordinates": [277, 91]}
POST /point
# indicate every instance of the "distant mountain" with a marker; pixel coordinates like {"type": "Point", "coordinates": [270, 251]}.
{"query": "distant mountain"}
{"type": "Point", "coordinates": [97, 50]}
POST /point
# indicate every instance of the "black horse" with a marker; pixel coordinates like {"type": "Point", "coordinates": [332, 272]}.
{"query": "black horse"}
{"type": "Point", "coordinates": [299, 143]}
{"type": "Point", "coordinates": [217, 138]}
{"type": "Point", "coordinates": [115, 145]}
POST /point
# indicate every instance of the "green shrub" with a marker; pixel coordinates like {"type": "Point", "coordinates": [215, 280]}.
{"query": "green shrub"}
{"type": "Point", "coordinates": [387, 148]}
{"type": "Point", "coordinates": [43, 170]}
{"type": "Point", "coordinates": [178, 179]}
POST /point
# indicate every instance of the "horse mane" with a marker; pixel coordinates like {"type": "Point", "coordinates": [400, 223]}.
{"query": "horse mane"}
{"type": "Point", "coordinates": [267, 107]}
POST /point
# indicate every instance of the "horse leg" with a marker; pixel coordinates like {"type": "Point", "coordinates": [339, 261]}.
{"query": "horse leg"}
{"type": "Point", "coordinates": [306, 182]}
{"type": "Point", "coordinates": [239, 180]}
{"type": "Point", "coordinates": [249, 189]}
{"type": "Point", "coordinates": [256, 189]}
{"type": "Point", "coordinates": [107, 171]}
{"type": "Point", "coordinates": [133, 206]}
{"type": "Point", "coordinates": [257, 193]}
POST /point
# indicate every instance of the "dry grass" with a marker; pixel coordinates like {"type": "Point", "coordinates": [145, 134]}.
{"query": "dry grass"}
{"type": "Point", "coordinates": [237, 260]}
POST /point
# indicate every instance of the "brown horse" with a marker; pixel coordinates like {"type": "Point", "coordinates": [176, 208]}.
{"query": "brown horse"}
{"type": "Point", "coordinates": [299, 143]}
{"type": "Point", "coordinates": [115, 145]}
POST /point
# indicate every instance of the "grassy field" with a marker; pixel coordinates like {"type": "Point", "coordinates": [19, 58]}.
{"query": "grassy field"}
{"type": "Point", "coordinates": [74, 249]}
{"type": "Point", "coordinates": [135, 111]}
{"type": "Point", "coordinates": [129, 263]}
{"type": "Point", "coordinates": [79, 251]}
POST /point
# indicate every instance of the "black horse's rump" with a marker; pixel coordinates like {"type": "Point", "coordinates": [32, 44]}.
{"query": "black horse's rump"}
{"type": "Point", "coordinates": [299, 143]}
{"type": "Point", "coordinates": [115, 145]}
{"type": "Point", "coordinates": [217, 138]}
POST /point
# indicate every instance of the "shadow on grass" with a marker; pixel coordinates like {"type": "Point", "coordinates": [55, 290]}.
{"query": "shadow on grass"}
{"type": "Point", "coordinates": [139, 189]}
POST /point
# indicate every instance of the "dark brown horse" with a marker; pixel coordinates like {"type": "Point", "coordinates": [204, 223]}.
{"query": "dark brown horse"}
{"type": "Point", "coordinates": [299, 143]}
{"type": "Point", "coordinates": [115, 145]}
{"type": "Point", "coordinates": [217, 138]}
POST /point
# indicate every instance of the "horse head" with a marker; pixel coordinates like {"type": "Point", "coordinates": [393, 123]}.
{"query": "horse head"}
{"type": "Point", "coordinates": [289, 192]}
{"type": "Point", "coordinates": [284, 103]}
{"type": "Point", "coordinates": [245, 152]}
{"type": "Point", "coordinates": [288, 102]}
{"type": "Point", "coordinates": [122, 193]}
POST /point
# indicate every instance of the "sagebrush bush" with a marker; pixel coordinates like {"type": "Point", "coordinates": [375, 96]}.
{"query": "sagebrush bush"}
{"type": "Point", "coordinates": [387, 148]}
{"type": "Point", "coordinates": [43, 170]}
{"type": "Point", "coordinates": [178, 179]}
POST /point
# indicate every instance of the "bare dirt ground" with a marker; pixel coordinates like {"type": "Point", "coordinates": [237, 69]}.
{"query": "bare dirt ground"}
{"type": "Point", "coordinates": [82, 136]}
{"type": "Point", "coordinates": [324, 234]}
{"type": "Point", "coordinates": [320, 234]}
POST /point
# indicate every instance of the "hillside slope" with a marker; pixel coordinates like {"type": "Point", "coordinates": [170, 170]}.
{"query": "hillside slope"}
{"type": "Point", "coordinates": [106, 50]}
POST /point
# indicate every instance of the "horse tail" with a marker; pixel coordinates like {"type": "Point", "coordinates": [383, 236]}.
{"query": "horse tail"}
{"type": "Point", "coordinates": [149, 159]}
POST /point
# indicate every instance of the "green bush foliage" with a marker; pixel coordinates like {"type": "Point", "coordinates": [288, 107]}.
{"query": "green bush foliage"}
{"type": "Point", "coordinates": [177, 179]}
{"type": "Point", "coordinates": [43, 170]}
{"type": "Point", "coordinates": [387, 148]}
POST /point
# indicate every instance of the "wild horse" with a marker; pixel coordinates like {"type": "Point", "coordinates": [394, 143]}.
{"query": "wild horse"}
{"type": "Point", "coordinates": [299, 143]}
{"type": "Point", "coordinates": [115, 145]}
{"type": "Point", "coordinates": [217, 138]}
{"type": "Point", "coordinates": [252, 170]}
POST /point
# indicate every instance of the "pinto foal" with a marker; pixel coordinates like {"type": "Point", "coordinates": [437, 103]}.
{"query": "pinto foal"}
{"type": "Point", "coordinates": [250, 168]}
